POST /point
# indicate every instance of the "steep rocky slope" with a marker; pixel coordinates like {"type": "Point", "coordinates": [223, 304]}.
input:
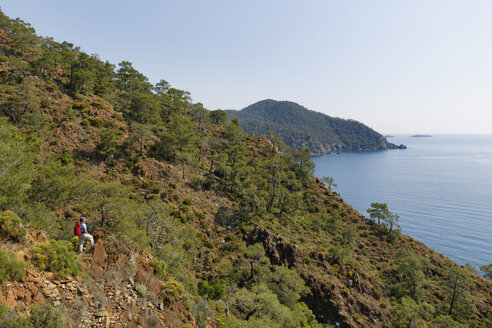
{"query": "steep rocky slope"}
{"type": "Point", "coordinates": [117, 287]}
{"type": "Point", "coordinates": [201, 225]}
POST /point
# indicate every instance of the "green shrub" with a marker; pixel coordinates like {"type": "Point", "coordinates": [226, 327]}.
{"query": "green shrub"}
{"type": "Point", "coordinates": [41, 317]}
{"type": "Point", "coordinates": [187, 218]}
{"type": "Point", "coordinates": [50, 86]}
{"type": "Point", "coordinates": [393, 236]}
{"type": "Point", "coordinates": [204, 288]}
{"type": "Point", "coordinates": [195, 183]}
{"type": "Point", "coordinates": [79, 105]}
{"type": "Point", "coordinates": [337, 255]}
{"type": "Point", "coordinates": [46, 316]}
{"type": "Point", "coordinates": [214, 290]}
{"type": "Point", "coordinates": [10, 267]}
{"type": "Point", "coordinates": [96, 103]}
{"type": "Point", "coordinates": [187, 201]}
{"type": "Point", "coordinates": [172, 290]}
{"type": "Point", "coordinates": [45, 102]}
{"type": "Point", "coordinates": [66, 158]}
{"type": "Point", "coordinates": [209, 243]}
{"type": "Point", "coordinates": [153, 321]}
{"type": "Point", "coordinates": [108, 142]}
{"type": "Point", "coordinates": [160, 268]}
{"type": "Point", "coordinates": [3, 309]}
{"type": "Point", "coordinates": [11, 226]}
{"type": "Point", "coordinates": [141, 289]}
{"type": "Point", "coordinates": [202, 313]}
{"type": "Point", "coordinates": [200, 215]}
{"type": "Point", "coordinates": [209, 183]}
{"type": "Point", "coordinates": [57, 257]}
{"type": "Point", "coordinates": [96, 121]}
{"type": "Point", "coordinates": [148, 184]}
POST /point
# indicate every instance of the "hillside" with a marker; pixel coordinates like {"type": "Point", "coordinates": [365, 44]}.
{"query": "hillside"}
{"type": "Point", "coordinates": [196, 223]}
{"type": "Point", "coordinates": [301, 128]}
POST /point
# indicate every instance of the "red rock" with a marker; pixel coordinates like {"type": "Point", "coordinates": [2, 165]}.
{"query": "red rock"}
{"type": "Point", "coordinates": [38, 298]}
{"type": "Point", "coordinates": [50, 275]}
{"type": "Point", "coordinates": [32, 288]}
{"type": "Point", "coordinates": [100, 253]}
{"type": "Point", "coordinates": [28, 297]}
{"type": "Point", "coordinates": [20, 294]}
{"type": "Point", "coordinates": [32, 276]}
{"type": "Point", "coordinates": [10, 301]}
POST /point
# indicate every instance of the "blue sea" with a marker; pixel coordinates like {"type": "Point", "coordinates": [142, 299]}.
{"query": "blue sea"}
{"type": "Point", "coordinates": [440, 186]}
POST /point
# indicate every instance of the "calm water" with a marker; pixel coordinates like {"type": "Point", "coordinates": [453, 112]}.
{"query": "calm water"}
{"type": "Point", "coordinates": [440, 186]}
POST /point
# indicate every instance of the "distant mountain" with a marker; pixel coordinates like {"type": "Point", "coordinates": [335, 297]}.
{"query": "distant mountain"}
{"type": "Point", "coordinates": [300, 128]}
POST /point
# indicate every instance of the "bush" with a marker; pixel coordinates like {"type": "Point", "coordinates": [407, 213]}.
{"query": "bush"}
{"type": "Point", "coordinates": [203, 288]}
{"type": "Point", "coordinates": [41, 317]}
{"type": "Point", "coordinates": [209, 183]}
{"type": "Point", "coordinates": [66, 158]}
{"type": "Point", "coordinates": [209, 243]}
{"type": "Point", "coordinates": [95, 121]}
{"type": "Point", "coordinates": [337, 255]}
{"type": "Point", "coordinates": [393, 236]}
{"type": "Point", "coordinates": [10, 267]}
{"type": "Point", "coordinates": [96, 103]}
{"type": "Point", "coordinates": [202, 313]}
{"type": "Point", "coordinates": [214, 290]}
{"type": "Point", "coordinates": [184, 208]}
{"type": "Point", "coordinates": [200, 215]}
{"type": "Point", "coordinates": [195, 183]}
{"type": "Point", "coordinates": [46, 317]}
{"type": "Point", "coordinates": [160, 268]}
{"type": "Point", "coordinates": [172, 290]}
{"type": "Point", "coordinates": [79, 105]}
{"type": "Point", "coordinates": [187, 201]}
{"type": "Point", "coordinates": [141, 289]}
{"type": "Point", "coordinates": [45, 103]}
{"type": "Point", "coordinates": [57, 257]}
{"type": "Point", "coordinates": [11, 226]}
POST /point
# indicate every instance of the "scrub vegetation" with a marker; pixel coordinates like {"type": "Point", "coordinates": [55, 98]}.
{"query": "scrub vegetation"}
{"type": "Point", "coordinates": [239, 229]}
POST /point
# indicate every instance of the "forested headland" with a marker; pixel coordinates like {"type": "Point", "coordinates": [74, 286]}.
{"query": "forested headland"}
{"type": "Point", "coordinates": [301, 128]}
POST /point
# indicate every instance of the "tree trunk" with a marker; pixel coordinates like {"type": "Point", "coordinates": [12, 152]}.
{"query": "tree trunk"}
{"type": "Point", "coordinates": [453, 299]}
{"type": "Point", "coordinates": [272, 197]}
{"type": "Point", "coordinates": [103, 217]}
{"type": "Point", "coordinates": [211, 166]}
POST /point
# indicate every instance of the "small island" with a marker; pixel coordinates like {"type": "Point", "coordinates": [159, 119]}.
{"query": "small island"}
{"type": "Point", "coordinates": [421, 136]}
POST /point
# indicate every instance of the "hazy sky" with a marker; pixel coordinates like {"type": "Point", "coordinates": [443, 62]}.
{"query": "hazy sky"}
{"type": "Point", "coordinates": [398, 66]}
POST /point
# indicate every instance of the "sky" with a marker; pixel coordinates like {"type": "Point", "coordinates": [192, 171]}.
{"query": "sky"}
{"type": "Point", "coordinates": [401, 67]}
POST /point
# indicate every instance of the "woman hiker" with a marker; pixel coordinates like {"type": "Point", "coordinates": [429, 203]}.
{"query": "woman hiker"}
{"type": "Point", "coordinates": [83, 234]}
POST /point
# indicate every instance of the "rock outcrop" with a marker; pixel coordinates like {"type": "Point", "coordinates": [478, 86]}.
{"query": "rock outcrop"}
{"type": "Point", "coordinates": [115, 288]}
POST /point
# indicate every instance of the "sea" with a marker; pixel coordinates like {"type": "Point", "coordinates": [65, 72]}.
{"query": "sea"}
{"type": "Point", "coordinates": [440, 186]}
